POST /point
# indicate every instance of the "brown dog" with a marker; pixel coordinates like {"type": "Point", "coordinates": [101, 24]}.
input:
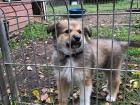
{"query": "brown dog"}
{"type": "Point", "coordinates": [74, 56]}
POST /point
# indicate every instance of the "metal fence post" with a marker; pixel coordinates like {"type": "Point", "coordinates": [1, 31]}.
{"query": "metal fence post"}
{"type": "Point", "coordinates": [7, 60]}
{"type": "Point", "coordinates": [4, 94]}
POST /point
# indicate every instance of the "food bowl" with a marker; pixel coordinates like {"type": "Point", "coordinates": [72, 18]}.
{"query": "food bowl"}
{"type": "Point", "coordinates": [76, 12]}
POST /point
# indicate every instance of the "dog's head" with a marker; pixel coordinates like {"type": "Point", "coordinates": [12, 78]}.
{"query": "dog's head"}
{"type": "Point", "coordinates": [69, 36]}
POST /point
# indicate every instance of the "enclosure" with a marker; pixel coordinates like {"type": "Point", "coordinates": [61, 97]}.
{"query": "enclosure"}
{"type": "Point", "coordinates": [26, 69]}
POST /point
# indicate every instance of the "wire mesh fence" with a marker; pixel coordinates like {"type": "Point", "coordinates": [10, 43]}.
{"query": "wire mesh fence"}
{"type": "Point", "coordinates": [28, 74]}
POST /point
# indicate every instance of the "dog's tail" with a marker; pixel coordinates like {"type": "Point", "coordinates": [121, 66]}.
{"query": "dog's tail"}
{"type": "Point", "coordinates": [130, 44]}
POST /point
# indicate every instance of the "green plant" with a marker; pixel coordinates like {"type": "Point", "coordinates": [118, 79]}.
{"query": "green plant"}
{"type": "Point", "coordinates": [92, 8]}
{"type": "Point", "coordinates": [134, 51]}
{"type": "Point", "coordinates": [35, 30]}
{"type": "Point", "coordinates": [13, 44]}
{"type": "Point", "coordinates": [119, 33]}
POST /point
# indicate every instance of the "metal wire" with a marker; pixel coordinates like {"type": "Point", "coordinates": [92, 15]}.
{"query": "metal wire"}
{"type": "Point", "coordinates": [19, 56]}
{"type": "Point", "coordinates": [97, 29]}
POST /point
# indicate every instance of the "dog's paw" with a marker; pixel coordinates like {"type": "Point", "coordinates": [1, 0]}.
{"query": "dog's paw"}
{"type": "Point", "coordinates": [110, 98]}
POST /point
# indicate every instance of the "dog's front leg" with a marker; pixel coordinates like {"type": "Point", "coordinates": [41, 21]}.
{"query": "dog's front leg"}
{"type": "Point", "coordinates": [113, 85]}
{"type": "Point", "coordinates": [85, 91]}
{"type": "Point", "coordinates": [63, 91]}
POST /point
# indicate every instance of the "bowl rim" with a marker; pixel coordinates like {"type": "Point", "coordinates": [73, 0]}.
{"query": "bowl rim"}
{"type": "Point", "coordinates": [77, 9]}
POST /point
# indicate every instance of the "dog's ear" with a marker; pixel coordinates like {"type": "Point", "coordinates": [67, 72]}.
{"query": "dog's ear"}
{"type": "Point", "coordinates": [87, 33]}
{"type": "Point", "coordinates": [54, 29]}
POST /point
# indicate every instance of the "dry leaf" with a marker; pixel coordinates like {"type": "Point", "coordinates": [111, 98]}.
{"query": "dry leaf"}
{"type": "Point", "coordinates": [36, 94]}
{"type": "Point", "coordinates": [50, 90]}
{"type": "Point", "coordinates": [75, 95]}
{"type": "Point", "coordinates": [134, 84]}
{"type": "Point", "coordinates": [120, 97]}
{"type": "Point", "coordinates": [44, 90]}
{"type": "Point", "coordinates": [49, 100]}
{"type": "Point", "coordinates": [41, 76]}
{"type": "Point", "coordinates": [27, 58]}
{"type": "Point", "coordinates": [135, 103]}
{"type": "Point", "coordinates": [36, 101]}
{"type": "Point", "coordinates": [136, 73]}
{"type": "Point", "coordinates": [56, 91]}
{"type": "Point", "coordinates": [29, 68]}
{"type": "Point", "coordinates": [103, 93]}
{"type": "Point", "coordinates": [44, 97]}
{"type": "Point", "coordinates": [107, 103]}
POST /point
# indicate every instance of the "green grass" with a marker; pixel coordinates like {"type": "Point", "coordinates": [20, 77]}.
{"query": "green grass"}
{"type": "Point", "coordinates": [134, 52]}
{"type": "Point", "coordinates": [38, 31]}
{"type": "Point", "coordinates": [119, 33]}
{"type": "Point", "coordinates": [35, 30]}
{"type": "Point", "coordinates": [127, 93]}
{"type": "Point", "coordinates": [91, 8]}
{"type": "Point", "coordinates": [13, 44]}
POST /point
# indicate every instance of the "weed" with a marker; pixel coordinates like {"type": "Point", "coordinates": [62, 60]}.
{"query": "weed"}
{"type": "Point", "coordinates": [120, 33]}
{"type": "Point", "coordinates": [35, 30]}
{"type": "Point", "coordinates": [134, 51]}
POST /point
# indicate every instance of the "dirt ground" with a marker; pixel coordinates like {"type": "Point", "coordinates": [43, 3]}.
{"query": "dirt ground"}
{"type": "Point", "coordinates": [106, 20]}
{"type": "Point", "coordinates": [37, 53]}
{"type": "Point", "coordinates": [40, 52]}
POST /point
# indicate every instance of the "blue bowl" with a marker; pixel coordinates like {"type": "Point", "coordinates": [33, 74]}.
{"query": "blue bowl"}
{"type": "Point", "coordinates": [76, 12]}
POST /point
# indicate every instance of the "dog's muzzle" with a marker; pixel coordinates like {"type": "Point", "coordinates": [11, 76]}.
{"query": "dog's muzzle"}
{"type": "Point", "coordinates": [75, 42]}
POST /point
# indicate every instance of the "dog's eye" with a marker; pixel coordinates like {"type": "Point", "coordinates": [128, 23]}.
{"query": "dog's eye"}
{"type": "Point", "coordinates": [67, 31]}
{"type": "Point", "coordinates": [79, 31]}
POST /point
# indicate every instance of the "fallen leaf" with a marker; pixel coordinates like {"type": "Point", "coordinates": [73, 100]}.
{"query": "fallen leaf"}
{"type": "Point", "coordinates": [36, 101]}
{"type": "Point", "coordinates": [76, 94]}
{"type": "Point", "coordinates": [137, 73]}
{"type": "Point", "coordinates": [120, 97]}
{"type": "Point", "coordinates": [27, 58]}
{"type": "Point", "coordinates": [44, 97]}
{"type": "Point", "coordinates": [134, 84]}
{"type": "Point", "coordinates": [40, 72]}
{"type": "Point", "coordinates": [8, 91]}
{"type": "Point", "coordinates": [29, 68]}
{"type": "Point", "coordinates": [103, 93]}
{"type": "Point", "coordinates": [46, 42]}
{"type": "Point", "coordinates": [135, 103]}
{"type": "Point", "coordinates": [49, 100]}
{"type": "Point", "coordinates": [36, 94]}
{"type": "Point", "coordinates": [50, 90]}
{"type": "Point", "coordinates": [107, 103]}
{"type": "Point", "coordinates": [56, 91]}
{"type": "Point", "coordinates": [44, 90]}
{"type": "Point", "coordinates": [23, 92]}
{"type": "Point", "coordinates": [41, 76]}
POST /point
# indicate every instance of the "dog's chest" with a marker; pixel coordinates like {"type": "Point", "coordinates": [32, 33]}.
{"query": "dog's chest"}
{"type": "Point", "coordinates": [71, 70]}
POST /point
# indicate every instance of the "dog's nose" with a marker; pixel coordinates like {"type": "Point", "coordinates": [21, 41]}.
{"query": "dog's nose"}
{"type": "Point", "coordinates": [76, 37]}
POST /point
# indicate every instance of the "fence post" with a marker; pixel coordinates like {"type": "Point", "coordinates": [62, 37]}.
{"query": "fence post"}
{"type": "Point", "coordinates": [4, 94]}
{"type": "Point", "coordinates": [7, 60]}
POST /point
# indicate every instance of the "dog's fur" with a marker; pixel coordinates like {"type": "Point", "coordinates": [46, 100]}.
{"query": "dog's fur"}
{"type": "Point", "coordinates": [71, 53]}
